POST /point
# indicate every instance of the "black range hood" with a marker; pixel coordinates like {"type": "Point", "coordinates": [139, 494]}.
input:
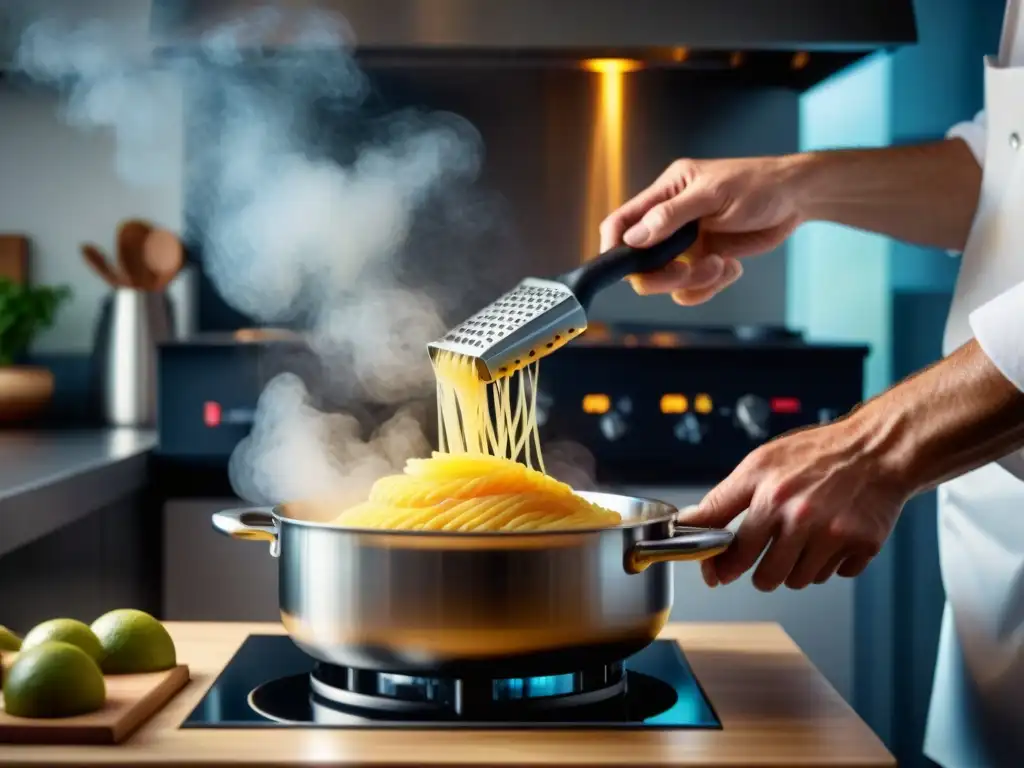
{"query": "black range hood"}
{"type": "Point", "coordinates": [793, 43]}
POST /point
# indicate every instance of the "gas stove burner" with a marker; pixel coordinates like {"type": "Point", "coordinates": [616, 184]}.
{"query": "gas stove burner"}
{"type": "Point", "coordinates": [298, 700]}
{"type": "Point", "coordinates": [449, 697]}
{"type": "Point", "coordinates": [271, 683]}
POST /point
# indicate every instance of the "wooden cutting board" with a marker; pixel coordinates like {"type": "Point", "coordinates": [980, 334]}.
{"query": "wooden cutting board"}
{"type": "Point", "coordinates": [131, 701]}
{"type": "Point", "coordinates": [14, 258]}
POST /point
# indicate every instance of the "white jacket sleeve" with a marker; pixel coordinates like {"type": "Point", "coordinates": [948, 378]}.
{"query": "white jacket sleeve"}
{"type": "Point", "coordinates": [974, 133]}
{"type": "Point", "coordinates": [998, 325]}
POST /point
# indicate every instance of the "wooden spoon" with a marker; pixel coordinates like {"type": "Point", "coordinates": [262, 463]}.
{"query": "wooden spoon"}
{"type": "Point", "coordinates": [131, 240]}
{"type": "Point", "coordinates": [163, 256]}
{"type": "Point", "coordinates": [102, 266]}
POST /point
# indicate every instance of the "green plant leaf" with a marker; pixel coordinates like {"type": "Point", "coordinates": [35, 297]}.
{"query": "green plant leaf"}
{"type": "Point", "coordinates": [25, 310]}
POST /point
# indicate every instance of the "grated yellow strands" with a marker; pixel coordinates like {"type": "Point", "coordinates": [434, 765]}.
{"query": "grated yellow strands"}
{"type": "Point", "coordinates": [476, 482]}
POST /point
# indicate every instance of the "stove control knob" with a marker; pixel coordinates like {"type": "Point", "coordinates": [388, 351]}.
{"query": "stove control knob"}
{"type": "Point", "coordinates": [613, 425]}
{"type": "Point", "coordinates": [752, 414]}
{"type": "Point", "coordinates": [689, 430]}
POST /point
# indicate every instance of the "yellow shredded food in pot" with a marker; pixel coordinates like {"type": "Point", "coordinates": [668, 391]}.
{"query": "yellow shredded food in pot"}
{"type": "Point", "coordinates": [476, 481]}
{"type": "Point", "coordinates": [459, 492]}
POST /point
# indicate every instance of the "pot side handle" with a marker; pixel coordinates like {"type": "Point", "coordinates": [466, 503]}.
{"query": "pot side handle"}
{"type": "Point", "coordinates": [256, 524]}
{"type": "Point", "coordinates": [685, 544]}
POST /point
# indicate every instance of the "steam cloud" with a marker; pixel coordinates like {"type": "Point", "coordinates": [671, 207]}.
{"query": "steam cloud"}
{"type": "Point", "coordinates": [291, 233]}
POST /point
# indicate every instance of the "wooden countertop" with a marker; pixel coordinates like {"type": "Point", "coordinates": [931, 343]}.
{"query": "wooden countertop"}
{"type": "Point", "coordinates": [776, 710]}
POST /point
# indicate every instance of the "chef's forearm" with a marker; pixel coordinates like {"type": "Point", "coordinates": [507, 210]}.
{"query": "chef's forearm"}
{"type": "Point", "coordinates": [924, 194]}
{"type": "Point", "coordinates": [950, 418]}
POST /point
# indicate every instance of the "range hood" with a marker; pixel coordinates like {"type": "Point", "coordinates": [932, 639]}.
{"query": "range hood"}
{"type": "Point", "coordinates": [787, 42]}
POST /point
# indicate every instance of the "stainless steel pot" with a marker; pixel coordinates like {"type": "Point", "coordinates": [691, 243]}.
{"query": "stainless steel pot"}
{"type": "Point", "coordinates": [465, 604]}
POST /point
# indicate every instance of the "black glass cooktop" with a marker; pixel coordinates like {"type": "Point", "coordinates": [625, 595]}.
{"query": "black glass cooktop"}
{"type": "Point", "coordinates": [270, 683]}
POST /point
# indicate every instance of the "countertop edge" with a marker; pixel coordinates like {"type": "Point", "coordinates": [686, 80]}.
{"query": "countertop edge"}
{"type": "Point", "coordinates": [31, 510]}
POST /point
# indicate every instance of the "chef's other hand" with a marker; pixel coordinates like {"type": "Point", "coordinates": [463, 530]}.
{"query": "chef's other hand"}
{"type": "Point", "coordinates": [746, 207]}
{"type": "Point", "coordinates": [820, 501]}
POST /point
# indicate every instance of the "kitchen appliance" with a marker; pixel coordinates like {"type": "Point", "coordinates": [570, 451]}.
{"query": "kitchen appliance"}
{"type": "Point", "coordinates": [703, 35]}
{"type": "Point", "coordinates": [539, 316]}
{"type": "Point", "coordinates": [648, 403]}
{"type": "Point", "coordinates": [209, 385]}
{"type": "Point", "coordinates": [685, 405]}
{"type": "Point", "coordinates": [597, 97]}
{"type": "Point", "coordinates": [271, 683]}
{"type": "Point", "coordinates": [468, 604]}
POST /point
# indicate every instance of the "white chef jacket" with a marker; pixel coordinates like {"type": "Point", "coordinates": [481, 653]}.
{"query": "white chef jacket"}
{"type": "Point", "coordinates": [998, 325]}
{"type": "Point", "coordinates": [976, 718]}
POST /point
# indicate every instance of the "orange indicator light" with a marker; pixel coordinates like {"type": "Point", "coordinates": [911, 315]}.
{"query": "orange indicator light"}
{"type": "Point", "coordinates": [596, 404]}
{"type": "Point", "coordinates": [674, 403]}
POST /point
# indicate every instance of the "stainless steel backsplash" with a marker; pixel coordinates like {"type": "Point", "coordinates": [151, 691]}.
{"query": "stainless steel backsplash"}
{"type": "Point", "coordinates": [555, 164]}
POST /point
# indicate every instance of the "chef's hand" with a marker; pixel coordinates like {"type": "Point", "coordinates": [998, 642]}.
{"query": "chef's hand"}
{"type": "Point", "coordinates": [746, 207]}
{"type": "Point", "coordinates": [819, 500]}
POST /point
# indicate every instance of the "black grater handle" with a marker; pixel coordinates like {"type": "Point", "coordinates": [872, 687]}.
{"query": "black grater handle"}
{"type": "Point", "coordinates": [621, 261]}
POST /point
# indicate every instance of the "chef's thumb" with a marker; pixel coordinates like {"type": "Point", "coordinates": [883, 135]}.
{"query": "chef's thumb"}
{"type": "Point", "coordinates": [723, 504]}
{"type": "Point", "coordinates": [669, 215]}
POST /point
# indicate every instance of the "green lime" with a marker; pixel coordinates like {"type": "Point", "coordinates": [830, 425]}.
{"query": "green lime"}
{"type": "Point", "coordinates": [8, 640]}
{"type": "Point", "coordinates": [133, 642]}
{"type": "Point", "coordinates": [53, 679]}
{"type": "Point", "coordinates": [66, 631]}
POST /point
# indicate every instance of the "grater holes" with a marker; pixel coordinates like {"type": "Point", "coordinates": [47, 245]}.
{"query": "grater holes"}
{"type": "Point", "coordinates": [508, 314]}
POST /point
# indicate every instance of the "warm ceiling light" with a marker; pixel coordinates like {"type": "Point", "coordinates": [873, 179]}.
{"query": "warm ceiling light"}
{"type": "Point", "coordinates": [612, 66]}
{"type": "Point", "coordinates": [800, 60]}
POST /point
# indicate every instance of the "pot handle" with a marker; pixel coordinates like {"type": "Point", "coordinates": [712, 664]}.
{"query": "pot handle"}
{"type": "Point", "coordinates": [685, 544]}
{"type": "Point", "coordinates": [255, 524]}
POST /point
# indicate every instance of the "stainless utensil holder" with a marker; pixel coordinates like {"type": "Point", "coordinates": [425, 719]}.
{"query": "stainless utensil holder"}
{"type": "Point", "coordinates": [132, 324]}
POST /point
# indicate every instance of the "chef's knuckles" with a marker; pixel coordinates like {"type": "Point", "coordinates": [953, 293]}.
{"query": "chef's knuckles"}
{"type": "Point", "coordinates": [746, 207]}
{"type": "Point", "coordinates": [816, 506]}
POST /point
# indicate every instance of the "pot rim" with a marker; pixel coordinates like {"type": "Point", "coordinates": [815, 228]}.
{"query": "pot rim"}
{"type": "Point", "coordinates": [666, 515]}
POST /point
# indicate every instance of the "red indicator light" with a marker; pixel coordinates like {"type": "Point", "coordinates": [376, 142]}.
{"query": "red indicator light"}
{"type": "Point", "coordinates": [211, 414]}
{"type": "Point", "coordinates": [785, 405]}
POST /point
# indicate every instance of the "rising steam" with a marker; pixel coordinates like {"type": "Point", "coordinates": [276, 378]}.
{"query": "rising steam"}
{"type": "Point", "coordinates": [303, 203]}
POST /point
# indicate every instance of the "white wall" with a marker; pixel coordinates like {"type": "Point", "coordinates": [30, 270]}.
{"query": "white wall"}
{"type": "Point", "coordinates": [59, 186]}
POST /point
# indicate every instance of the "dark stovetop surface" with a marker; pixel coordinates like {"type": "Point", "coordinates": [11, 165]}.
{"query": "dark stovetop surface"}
{"type": "Point", "coordinates": [661, 693]}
